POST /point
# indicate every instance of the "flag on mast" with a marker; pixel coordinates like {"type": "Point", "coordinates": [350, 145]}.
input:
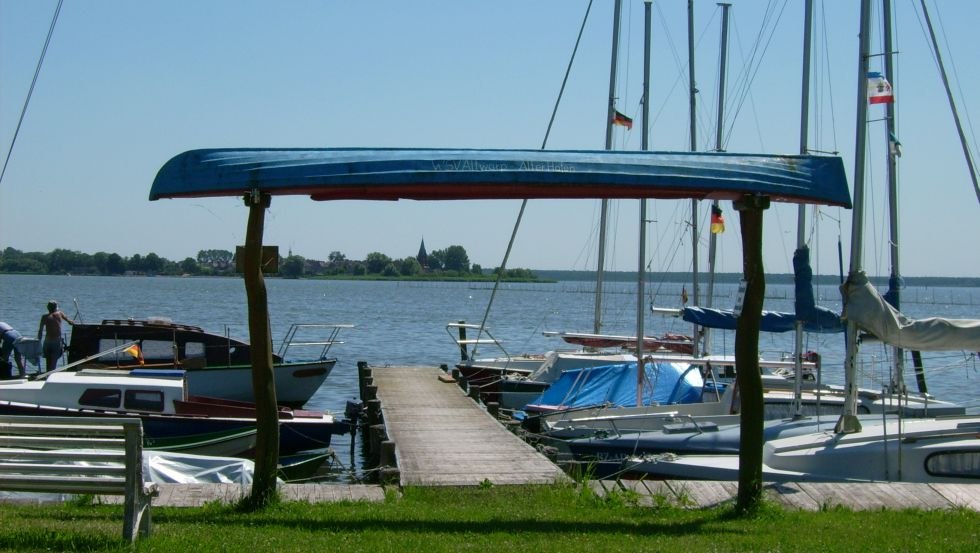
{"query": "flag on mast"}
{"type": "Point", "coordinates": [620, 119]}
{"type": "Point", "coordinates": [717, 220]}
{"type": "Point", "coordinates": [879, 89]}
{"type": "Point", "coordinates": [134, 350]}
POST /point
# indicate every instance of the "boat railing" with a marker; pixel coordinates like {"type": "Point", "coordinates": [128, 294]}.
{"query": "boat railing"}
{"type": "Point", "coordinates": [46, 374]}
{"type": "Point", "coordinates": [461, 339]}
{"type": "Point", "coordinates": [307, 335]}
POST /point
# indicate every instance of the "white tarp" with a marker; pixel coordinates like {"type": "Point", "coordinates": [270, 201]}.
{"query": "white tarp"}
{"type": "Point", "coordinates": [162, 467]}
{"type": "Point", "coordinates": [869, 311]}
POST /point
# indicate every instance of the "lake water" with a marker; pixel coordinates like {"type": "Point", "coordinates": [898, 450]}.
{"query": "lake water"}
{"type": "Point", "coordinates": [404, 323]}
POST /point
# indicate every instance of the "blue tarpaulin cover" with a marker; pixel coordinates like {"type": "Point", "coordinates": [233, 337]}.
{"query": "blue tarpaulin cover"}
{"type": "Point", "coordinates": [666, 383]}
{"type": "Point", "coordinates": [458, 174]}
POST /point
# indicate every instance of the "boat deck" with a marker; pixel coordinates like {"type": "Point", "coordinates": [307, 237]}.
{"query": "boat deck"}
{"type": "Point", "coordinates": [443, 438]}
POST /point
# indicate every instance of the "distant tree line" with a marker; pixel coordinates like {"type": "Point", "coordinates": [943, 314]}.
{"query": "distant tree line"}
{"type": "Point", "coordinates": [452, 261]}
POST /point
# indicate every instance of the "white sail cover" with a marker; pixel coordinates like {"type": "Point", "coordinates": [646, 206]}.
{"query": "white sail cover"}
{"type": "Point", "coordinates": [870, 312]}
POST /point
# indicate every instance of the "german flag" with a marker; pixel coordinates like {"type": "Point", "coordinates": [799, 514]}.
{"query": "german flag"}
{"type": "Point", "coordinates": [620, 119]}
{"type": "Point", "coordinates": [717, 220]}
{"type": "Point", "coordinates": [134, 350]}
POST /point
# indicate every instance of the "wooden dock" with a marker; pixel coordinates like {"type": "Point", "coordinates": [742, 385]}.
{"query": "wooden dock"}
{"type": "Point", "coordinates": [805, 496]}
{"type": "Point", "coordinates": [443, 438]}
{"type": "Point", "coordinates": [687, 494]}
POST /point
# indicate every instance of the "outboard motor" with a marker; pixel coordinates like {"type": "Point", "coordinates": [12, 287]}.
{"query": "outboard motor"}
{"type": "Point", "coordinates": [353, 411]}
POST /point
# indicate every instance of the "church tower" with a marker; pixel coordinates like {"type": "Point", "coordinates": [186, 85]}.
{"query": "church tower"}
{"type": "Point", "coordinates": [423, 256]}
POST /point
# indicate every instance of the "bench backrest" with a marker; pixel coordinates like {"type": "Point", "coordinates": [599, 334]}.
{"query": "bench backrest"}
{"type": "Point", "coordinates": [97, 455]}
{"type": "Point", "coordinates": [93, 455]}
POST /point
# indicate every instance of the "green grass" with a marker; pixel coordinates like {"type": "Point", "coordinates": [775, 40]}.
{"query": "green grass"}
{"type": "Point", "coordinates": [488, 519]}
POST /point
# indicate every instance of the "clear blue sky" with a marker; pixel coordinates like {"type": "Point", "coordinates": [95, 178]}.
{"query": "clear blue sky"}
{"type": "Point", "coordinates": [127, 85]}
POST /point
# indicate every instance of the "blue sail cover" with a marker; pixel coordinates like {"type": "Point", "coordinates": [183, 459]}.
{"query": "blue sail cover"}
{"type": "Point", "coordinates": [458, 174]}
{"type": "Point", "coordinates": [615, 385]}
{"type": "Point", "coordinates": [815, 318]}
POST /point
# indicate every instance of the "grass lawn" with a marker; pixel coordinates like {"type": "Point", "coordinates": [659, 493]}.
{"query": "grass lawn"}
{"type": "Point", "coordinates": [491, 519]}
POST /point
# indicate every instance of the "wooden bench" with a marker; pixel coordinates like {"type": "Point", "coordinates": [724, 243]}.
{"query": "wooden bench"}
{"type": "Point", "coordinates": [81, 455]}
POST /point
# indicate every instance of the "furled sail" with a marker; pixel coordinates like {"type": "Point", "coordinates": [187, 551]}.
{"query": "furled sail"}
{"type": "Point", "coordinates": [815, 318]}
{"type": "Point", "coordinates": [869, 311]}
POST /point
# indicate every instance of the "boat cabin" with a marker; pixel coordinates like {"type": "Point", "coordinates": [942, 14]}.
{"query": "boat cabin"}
{"type": "Point", "coordinates": [161, 342]}
{"type": "Point", "coordinates": [135, 391]}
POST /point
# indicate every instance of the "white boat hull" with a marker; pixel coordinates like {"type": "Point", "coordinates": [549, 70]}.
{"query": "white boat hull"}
{"type": "Point", "coordinates": [295, 382]}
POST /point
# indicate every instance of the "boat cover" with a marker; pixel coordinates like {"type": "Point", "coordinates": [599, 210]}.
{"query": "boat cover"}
{"type": "Point", "coordinates": [615, 385]}
{"type": "Point", "coordinates": [869, 311]}
{"type": "Point", "coordinates": [815, 318]}
{"type": "Point", "coordinates": [471, 174]}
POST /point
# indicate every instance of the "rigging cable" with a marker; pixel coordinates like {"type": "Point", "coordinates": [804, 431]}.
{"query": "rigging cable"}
{"type": "Point", "coordinates": [952, 105]}
{"type": "Point", "coordinates": [520, 213]}
{"type": "Point", "coordinates": [956, 77]}
{"type": "Point", "coordinates": [30, 91]}
{"type": "Point", "coordinates": [756, 61]}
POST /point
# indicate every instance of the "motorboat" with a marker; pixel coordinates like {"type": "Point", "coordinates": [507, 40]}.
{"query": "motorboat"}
{"type": "Point", "coordinates": [172, 420]}
{"type": "Point", "coordinates": [215, 365]}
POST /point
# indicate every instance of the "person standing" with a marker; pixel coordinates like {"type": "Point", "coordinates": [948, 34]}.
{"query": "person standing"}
{"type": "Point", "coordinates": [52, 347]}
{"type": "Point", "coordinates": [8, 343]}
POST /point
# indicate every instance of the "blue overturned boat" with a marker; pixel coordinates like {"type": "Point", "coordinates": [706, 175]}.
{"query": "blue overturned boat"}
{"type": "Point", "coordinates": [487, 174]}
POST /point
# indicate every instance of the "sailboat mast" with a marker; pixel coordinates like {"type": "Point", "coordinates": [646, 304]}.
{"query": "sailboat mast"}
{"type": "Point", "coordinates": [692, 92]}
{"type": "Point", "coordinates": [719, 147]}
{"type": "Point", "coordinates": [848, 421]}
{"type": "Point", "coordinates": [604, 206]}
{"type": "Point", "coordinates": [952, 104]}
{"type": "Point", "coordinates": [801, 210]}
{"type": "Point", "coordinates": [894, 278]}
{"type": "Point", "coordinates": [641, 256]}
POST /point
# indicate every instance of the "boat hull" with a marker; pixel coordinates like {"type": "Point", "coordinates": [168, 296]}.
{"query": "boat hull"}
{"type": "Point", "coordinates": [295, 382]}
{"type": "Point", "coordinates": [201, 435]}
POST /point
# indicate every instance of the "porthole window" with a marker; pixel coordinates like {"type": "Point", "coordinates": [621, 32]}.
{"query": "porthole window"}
{"type": "Point", "coordinates": [954, 464]}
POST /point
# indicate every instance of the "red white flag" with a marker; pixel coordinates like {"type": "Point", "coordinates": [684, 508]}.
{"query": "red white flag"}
{"type": "Point", "coordinates": [879, 89]}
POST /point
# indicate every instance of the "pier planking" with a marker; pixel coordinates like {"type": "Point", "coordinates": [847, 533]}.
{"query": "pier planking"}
{"type": "Point", "coordinates": [443, 438]}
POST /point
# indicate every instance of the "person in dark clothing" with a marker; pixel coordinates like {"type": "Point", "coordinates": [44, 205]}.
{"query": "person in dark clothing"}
{"type": "Point", "coordinates": [8, 343]}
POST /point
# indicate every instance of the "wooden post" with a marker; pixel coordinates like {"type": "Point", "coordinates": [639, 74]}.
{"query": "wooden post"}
{"type": "Point", "coordinates": [462, 339]}
{"type": "Point", "coordinates": [373, 412]}
{"type": "Point", "coordinates": [363, 373]}
{"type": "Point", "coordinates": [494, 409]}
{"type": "Point", "coordinates": [260, 336]}
{"type": "Point", "coordinates": [370, 391]}
{"type": "Point", "coordinates": [749, 378]}
{"type": "Point", "coordinates": [387, 457]}
{"type": "Point", "coordinates": [376, 435]}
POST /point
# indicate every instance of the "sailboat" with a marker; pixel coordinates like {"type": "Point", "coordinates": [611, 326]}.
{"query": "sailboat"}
{"type": "Point", "coordinates": [511, 380]}
{"type": "Point", "coordinates": [930, 449]}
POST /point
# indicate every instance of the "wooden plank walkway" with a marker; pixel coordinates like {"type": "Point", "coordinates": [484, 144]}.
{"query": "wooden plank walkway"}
{"type": "Point", "coordinates": [689, 494]}
{"type": "Point", "coordinates": [443, 438]}
{"type": "Point", "coordinates": [196, 495]}
{"type": "Point", "coordinates": [807, 496]}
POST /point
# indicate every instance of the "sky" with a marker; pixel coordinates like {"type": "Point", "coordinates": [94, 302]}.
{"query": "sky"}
{"type": "Point", "coordinates": [125, 86]}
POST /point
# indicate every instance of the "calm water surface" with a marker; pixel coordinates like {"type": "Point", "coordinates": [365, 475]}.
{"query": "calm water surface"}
{"type": "Point", "coordinates": [404, 322]}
